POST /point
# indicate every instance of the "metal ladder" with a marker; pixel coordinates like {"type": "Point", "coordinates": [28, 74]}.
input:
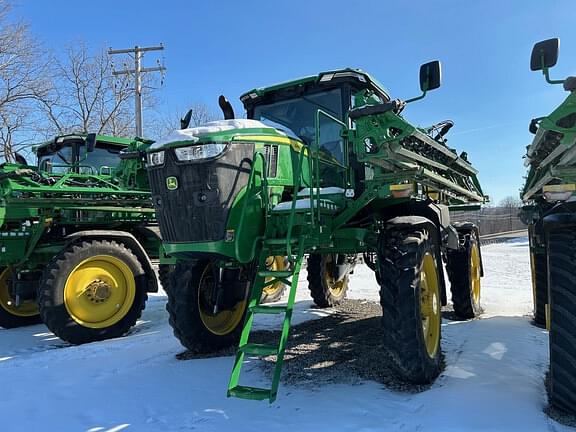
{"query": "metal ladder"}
{"type": "Point", "coordinates": [264, 278]}
{"type": "Point", "coordinates": [293, 246]}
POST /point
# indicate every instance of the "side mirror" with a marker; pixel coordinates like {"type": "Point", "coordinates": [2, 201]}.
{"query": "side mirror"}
{"type": "Point", "coordinates": [430, 76]}
{"type": "Point", "coordinates": [90, 142]}
{"type": "Point", "coordinates": [545, 54]}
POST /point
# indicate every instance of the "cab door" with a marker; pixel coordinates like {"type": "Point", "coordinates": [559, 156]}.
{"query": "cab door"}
{"type": "Point", "coordinates": [331, 147]}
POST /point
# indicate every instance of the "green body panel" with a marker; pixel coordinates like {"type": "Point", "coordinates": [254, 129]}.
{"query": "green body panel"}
{"type": "Point", "coordinates": [39, 208]}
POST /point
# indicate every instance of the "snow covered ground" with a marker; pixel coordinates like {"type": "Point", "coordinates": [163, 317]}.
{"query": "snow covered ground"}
{"type": "Point", "coordinates": [493, 379]}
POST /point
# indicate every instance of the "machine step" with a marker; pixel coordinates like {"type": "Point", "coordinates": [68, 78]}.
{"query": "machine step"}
{"type": "Point", "coordinates": [253, 393]}
{"type": "Point", "coordinates": [269, 310]}
{"type": "Point", "coordinates": [258, 349]}
{"type": "Point", "coordinates": [279, 241]}
{"type": "Point", "coordinates": [275, 274]}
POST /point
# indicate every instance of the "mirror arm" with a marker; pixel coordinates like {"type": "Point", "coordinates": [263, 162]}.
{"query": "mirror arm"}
{"type": "Point", "coordinates": [416, 98]}
{"type": "Point", "coordinates": [548, 80]}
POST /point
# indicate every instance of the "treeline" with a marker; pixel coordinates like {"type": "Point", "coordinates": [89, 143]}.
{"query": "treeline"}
{"type": "Point", "coordinates": [490, 220]}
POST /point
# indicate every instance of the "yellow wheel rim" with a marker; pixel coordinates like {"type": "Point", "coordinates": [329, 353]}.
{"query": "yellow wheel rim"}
{"type": "Point", "coordinates": [335, 287]}
{"type": "Point", "coordinates": [430, 304]}
{"type": "Point", "coordinates": [100, 291]}
{"type": "Point", "coordinates": [533, 272]}
{"type": "Point", "coordinates": [475, 269]}
{"type": "Point", "coordinates": [223, 322]}
{"type": "Point", "coordinates": [274, 263]}
{"type": "Point", "coordinates": [26, 309]}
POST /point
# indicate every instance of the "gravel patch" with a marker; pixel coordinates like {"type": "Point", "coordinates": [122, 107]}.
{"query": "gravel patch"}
{"type": "Point", "coordinates": [344, 347]}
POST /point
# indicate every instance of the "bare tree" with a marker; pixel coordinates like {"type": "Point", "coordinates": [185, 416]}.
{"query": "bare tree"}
{"type": "Point", "coordinates": [164, 124]}
{"type": "Point", "coordinates": [85, 97]}
{"type": "Point", "coordinates": [22, 80]}
{"type": "Point", "coordinates": [511, 202]}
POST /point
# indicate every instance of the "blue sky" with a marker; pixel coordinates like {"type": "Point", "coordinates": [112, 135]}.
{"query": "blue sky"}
{"type": "Point", "coordinates": [228, 47]}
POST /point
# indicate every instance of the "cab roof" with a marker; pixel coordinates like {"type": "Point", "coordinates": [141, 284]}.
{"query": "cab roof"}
{"type": "Point", "coordinates": [356, 77]}
{"type": "Point", "coordinates": [82, 136]}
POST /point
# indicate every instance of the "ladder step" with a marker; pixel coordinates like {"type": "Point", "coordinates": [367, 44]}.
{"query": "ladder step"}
{"type": "Point", "coordinates": [276, 274]}
{"type": "Point", "coordinates": [282, 241]}
{"type": "Point", "coordinates": [258, 349]}
{"type": "Point", "coordinates": [253, 393]}
{"type": "Point", "coordinates": [270, 310]}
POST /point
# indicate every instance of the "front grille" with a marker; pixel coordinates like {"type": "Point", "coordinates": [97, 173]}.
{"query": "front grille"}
{"type": "Point", "coordinates": [197, 210]}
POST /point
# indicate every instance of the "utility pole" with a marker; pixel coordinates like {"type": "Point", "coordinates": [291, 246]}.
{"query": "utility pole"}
{"type": "Point", "coordinates": [138, 71]}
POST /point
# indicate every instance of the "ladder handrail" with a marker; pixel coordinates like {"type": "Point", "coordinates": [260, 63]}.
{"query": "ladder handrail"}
{"type": "Point", "coordinates": [249, 187]}
{"type": "Point", "coordinates": [297, 180]}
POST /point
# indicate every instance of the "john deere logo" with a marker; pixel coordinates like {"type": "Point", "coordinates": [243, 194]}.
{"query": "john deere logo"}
{"type": "Point", "coordinates": [171, 183]}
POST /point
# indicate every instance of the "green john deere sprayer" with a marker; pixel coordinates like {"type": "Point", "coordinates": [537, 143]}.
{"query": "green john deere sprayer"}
{"type": "Point", "coordinates": [77, 233]}
{"type": "Point", "coordinates": [550, 210]}
{"type": "Point", "coordinates": [323, 168]}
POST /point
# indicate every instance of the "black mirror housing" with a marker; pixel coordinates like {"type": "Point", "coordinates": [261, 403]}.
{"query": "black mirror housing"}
{"type": "Point", "coordinates": [90, 142]}
{"type": "Point", "coordinates": [545, 54]}
{"type": "Point", "coordinates": [430, 76]}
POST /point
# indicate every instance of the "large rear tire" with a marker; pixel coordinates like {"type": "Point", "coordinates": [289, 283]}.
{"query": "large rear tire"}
{"type": "Point", "coordinates": [325, 290]}
{"type": "Point", "coordinates": [410, 295]}
{"type": "Point", "coordinates": [190, 309]}
{"type": "Point", "coordinates": [92, 291]}
{"type": "Point", "coordinates": [539, 267]}
{"type": "Point", "coordinates": [10, 315]}
{"type": "Point", "coordinates": [464, 271]}
{"type": "Point", "coordinates": [562, 266]}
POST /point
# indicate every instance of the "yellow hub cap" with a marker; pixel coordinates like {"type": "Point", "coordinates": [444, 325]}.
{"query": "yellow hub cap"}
{"type": "Point", "coordinates": [475, 273]}
{"type": "Point", "coordinates": [224, 321]}
{"type": "Point", "coordinates": [26, 309]}
{"type": "Point", "coordinates": [274, 263]}
{"type": "Point", "coordinates": [100, 291]}
{"type": "Point", "coordinates": [430, 304]}
{"type": "Point", "coordinates": [335, 287]}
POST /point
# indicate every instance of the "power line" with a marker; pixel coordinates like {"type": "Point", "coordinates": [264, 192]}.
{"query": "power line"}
{"type": "Point", "coordinates": [137, 72]}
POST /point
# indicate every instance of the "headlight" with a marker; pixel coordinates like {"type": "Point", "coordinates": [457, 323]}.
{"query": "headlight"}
{"type": "Point", "coordinates": [156, 158]}
{"type": "Point", "coordinates": [196, 152]}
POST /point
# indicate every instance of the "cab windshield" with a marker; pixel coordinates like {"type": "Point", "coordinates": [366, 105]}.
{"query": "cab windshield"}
{"type": "Point", "coordinates": [297, 116]}
{"type": "Point", "coordinates": [73, 157]}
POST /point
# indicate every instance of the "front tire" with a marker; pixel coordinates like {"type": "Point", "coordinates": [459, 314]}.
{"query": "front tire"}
{"type": "Point", "coordinates": [464, 271]}
{"type": "Point", "coordinates": [10, 315]}
{"type": "Point", "coordinates": [190, 309]}
{"type": "Point", "coordinates": [92, 291]}
{"type": "Point", "coordinates": [273, 293]}
{"type": "Point", "coordinates": [562, 266]}
{"type": "Point", "coordinates": [325, 290]}
{"type": "Point", "coordinates": [411, 301]}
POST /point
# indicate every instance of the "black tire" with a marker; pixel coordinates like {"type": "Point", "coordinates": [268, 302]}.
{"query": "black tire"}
{"type": "Point", "coordinates": [10, 317]}
{"type": "Point", "coordinates": [462, 275]}
{"type": "Point", "coordinates": [278, 289]}
{"type": "Point", "coordinates": [539, 264]}
{"type": "Point", "coordinates": [51, 299]}
{"type": "Point", "coordinates": [324, 291]}
{"type": "Point", "coordinates": [402, 251]}
{"type": "Point", "coordinates": [184, 309]}
{"type": "Point", "coordinates": [164, 271]}
{"type": "Point", "coordinates": [562, 265]}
